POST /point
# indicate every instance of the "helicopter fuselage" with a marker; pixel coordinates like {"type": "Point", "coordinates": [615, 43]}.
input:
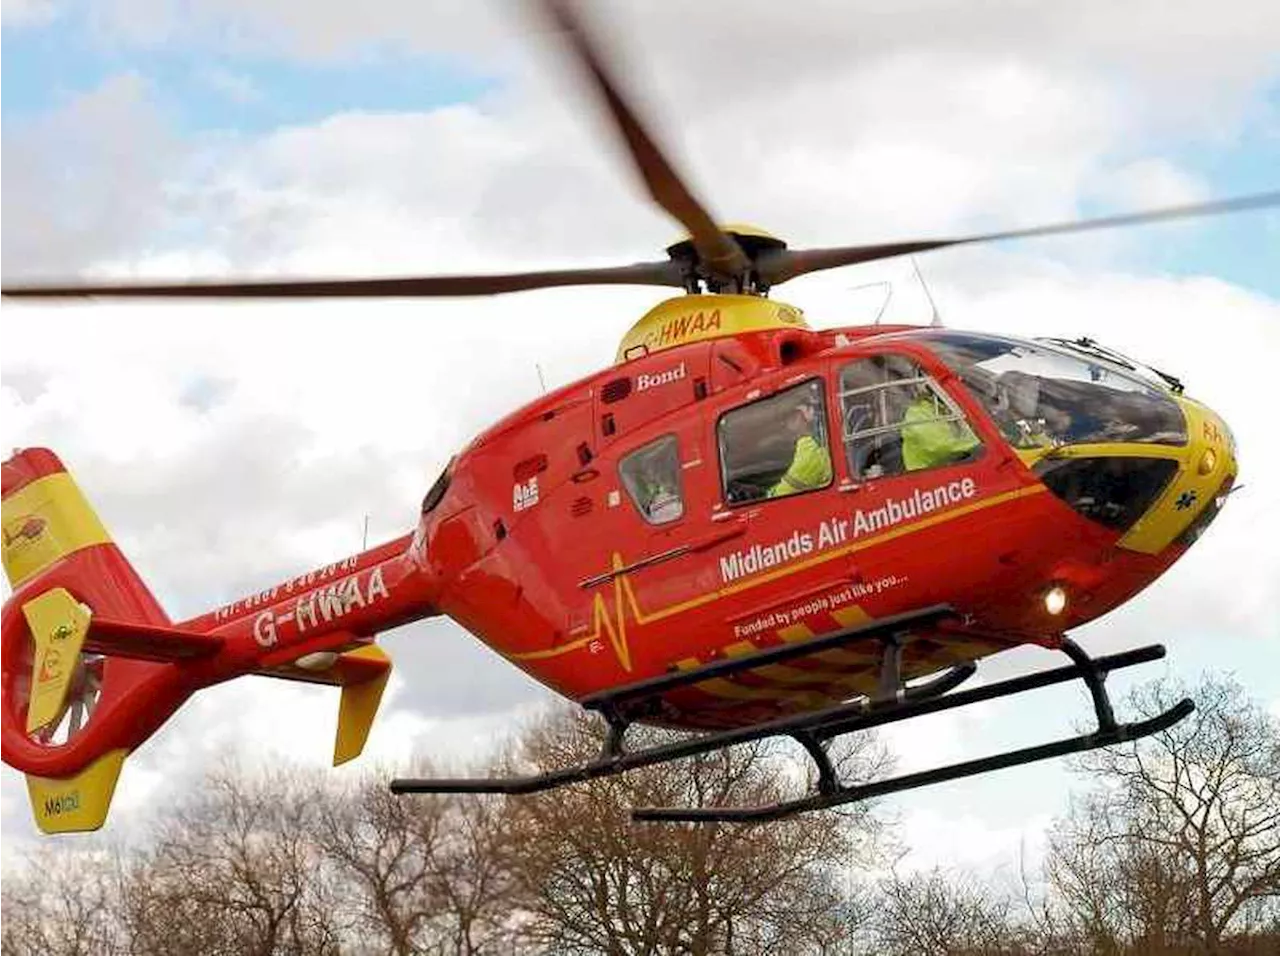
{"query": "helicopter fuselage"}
{"type": "Point", "coordinates": [651, 518]}
{"type": "Point", "coordinates": [539, 544]}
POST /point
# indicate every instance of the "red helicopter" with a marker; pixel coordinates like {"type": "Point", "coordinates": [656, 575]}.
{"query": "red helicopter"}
{"type": "Point", "coordinates": [742, 528]}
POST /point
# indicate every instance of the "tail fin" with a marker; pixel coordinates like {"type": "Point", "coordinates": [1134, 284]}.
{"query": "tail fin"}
{"type": "Point", "coordinates": [91, 666]}
{"type": "Point", "coordinates": [58, 694]}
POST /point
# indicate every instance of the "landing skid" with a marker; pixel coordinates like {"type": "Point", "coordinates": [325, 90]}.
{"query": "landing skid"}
{"type": "Point", "coordinates": [814, 730]}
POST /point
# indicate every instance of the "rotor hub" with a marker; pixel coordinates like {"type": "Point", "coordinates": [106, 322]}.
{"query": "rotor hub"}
{"type": "Point", "coordinates": [699, 277]}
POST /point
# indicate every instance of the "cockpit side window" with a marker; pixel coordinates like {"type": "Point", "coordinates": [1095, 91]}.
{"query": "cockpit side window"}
{"type": "Point", "coordinates": [776, 446]}
{"type": "Point", "coordinates": [897, 419]}
{"type": "Point", "coordinates": [651, 475]}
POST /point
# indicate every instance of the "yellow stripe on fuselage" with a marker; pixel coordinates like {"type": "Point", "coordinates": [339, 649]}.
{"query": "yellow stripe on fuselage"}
{"type": "Point", "coordinates": [43, 523]}
{"type": "Point", "coordinates": [604, 626]}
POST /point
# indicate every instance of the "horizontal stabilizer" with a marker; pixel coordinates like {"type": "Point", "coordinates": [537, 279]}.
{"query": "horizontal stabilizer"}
{"type": "Point", "coordinates": [79, 803]}
{"type": "Point", "coordinates": [62, 627]}
{"type": "Point", "coordinates": [337, 670]}
{"type": "Point", "coordinates": [149, 642]}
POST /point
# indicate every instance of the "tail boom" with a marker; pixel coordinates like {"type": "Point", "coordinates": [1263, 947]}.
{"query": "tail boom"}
{"type": "Point", "coordinates": [81, 633]}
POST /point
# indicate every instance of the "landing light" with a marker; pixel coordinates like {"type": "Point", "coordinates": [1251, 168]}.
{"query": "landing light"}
{"type": "Point", "coordinates": [1055, 600]}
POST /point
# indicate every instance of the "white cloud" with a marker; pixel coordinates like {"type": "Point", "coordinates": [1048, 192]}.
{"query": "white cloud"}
{"type": "Point", "coordinates": [765, 44]}
{"type": "Point", "coordinates": [85, 180]}
{"type": "Point", "coordinates": [968, 841]}
{"type": "Point", "coordinates": [1152, 184]}
{"type": "Point", "coordinates": [24, 13]}
{"type": "Point", "coordinates": [237, 87]}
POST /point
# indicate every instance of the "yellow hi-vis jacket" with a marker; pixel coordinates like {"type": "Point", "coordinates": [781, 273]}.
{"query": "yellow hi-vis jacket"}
{"type": "Point", "coordinates": [927, 442]}
{"type": "Point", "coordinates": [810, 468]}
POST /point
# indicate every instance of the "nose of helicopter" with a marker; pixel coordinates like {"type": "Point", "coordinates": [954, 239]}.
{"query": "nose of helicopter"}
{"type": "Point", "coordinates": [1206, 469]}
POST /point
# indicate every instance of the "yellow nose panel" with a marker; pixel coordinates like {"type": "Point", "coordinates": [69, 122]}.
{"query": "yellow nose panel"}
{"type": "Point", "coordinates": [1210, 456]}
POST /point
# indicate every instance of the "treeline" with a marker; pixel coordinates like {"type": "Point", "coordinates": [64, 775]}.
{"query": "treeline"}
{"type": "Point", "coordinates": [1171, 849]}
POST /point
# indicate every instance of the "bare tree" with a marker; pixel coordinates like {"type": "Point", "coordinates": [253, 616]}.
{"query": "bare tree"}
{"type": "Point", "coordinates": [429, 873]}
{"type": "Point", "coordinates": [235, 870]}
{"type": "Point", "coordinates": [593, 882]}
{"type": "Point", "coordinates": [59, 903]}
{"type": "Point", "coordinates": [1177, 849]}
{"type": "Point", "coordinates": [940, 914]}
{"type": "Point", "coordinates": [473, 875]}
{"type": "Point", "coordinates": [384, 846]}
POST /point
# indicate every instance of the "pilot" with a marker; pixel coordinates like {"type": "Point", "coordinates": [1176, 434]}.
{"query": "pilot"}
{"type": "Point", "coordinates": [1023, 419]}
{"type": "Point", "coordinates": [929, 440]}
{"type": "Point", "coordinates": [810, 466]}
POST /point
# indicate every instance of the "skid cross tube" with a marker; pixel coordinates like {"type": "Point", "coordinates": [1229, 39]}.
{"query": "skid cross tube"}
{"type": "Point", "coordinates": [610, 763]}
{"type": "Point", "coordinates": [1091, 671]}
{"type": "Point", "coordinates": [821, 725]}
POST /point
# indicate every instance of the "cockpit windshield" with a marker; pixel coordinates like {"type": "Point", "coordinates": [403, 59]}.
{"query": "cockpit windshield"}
{"type": "Point", "coordinates": [1042, 395]}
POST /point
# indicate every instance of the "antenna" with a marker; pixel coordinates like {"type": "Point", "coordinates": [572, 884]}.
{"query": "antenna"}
{"type": "Point", "coordinates": [542, 383]}
{"type": "Point", "coordinates": [888, 296]}
{"type": "Point", "coordinates": [936, 321]}
{"type": "Point", "coordinates": [364, 545]}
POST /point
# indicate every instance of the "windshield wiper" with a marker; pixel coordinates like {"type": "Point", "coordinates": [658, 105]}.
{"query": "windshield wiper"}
{"type": "Point", "coordinates": [1090, 347]}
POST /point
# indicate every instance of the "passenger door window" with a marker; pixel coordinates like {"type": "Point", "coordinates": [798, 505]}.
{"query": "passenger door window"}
{"type": "Point", "coordinates": [651, 475]}
{"type": "Point", "coordinates": [777, 446]}
{"type": "Point", "coordinates": [897, 419]}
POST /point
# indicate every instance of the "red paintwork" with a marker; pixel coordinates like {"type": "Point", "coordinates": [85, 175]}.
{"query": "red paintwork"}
{"type": "Point", "coordinates": [514, 578]}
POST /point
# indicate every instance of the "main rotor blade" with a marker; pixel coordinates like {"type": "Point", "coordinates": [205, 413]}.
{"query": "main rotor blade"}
{"type": "Point", "coordinates": [780, 265]}
{"type": "Point", "coordinates": [718, 251]}
{"type": "Point", "coordinates": [641, 273]}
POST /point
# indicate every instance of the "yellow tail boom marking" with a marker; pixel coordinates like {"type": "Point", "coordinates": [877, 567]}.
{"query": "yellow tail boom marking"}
{"type": "Point", "coordinates": [44, 522]}
{"type": "Point", "coordinates": [59, 624]}
{"type": "Point", "coordinates": [79, 803]}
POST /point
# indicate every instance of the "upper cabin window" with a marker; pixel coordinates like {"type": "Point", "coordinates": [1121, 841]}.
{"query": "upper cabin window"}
{"type": "Point", "coordinates": [777, 446]}
{"type": "Point", "coordinates": [651, 475]}
{"type": "Point", "coordinates": [897, 419]}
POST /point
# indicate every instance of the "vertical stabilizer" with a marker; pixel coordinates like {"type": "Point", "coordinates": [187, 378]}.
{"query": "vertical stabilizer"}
{"type": "Point", "coordinates": [65, 572]}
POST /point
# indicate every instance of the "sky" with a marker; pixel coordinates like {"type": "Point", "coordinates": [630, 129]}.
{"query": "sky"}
{"type": "Point", "coordinates": [230, 446]}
